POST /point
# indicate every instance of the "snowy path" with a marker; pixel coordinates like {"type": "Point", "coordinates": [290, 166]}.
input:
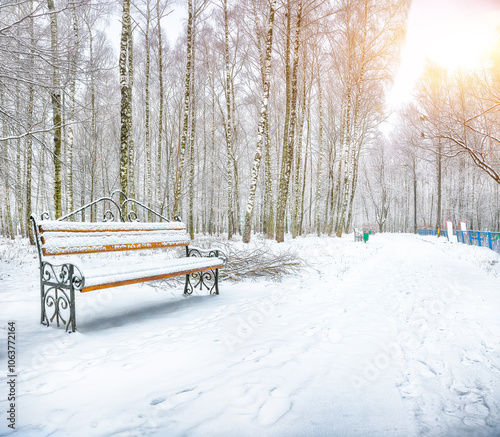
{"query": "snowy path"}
{"type": "Point", "coordinates": [399, 337]}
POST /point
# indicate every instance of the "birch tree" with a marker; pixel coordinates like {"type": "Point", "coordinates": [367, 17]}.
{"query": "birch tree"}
{"type": "Point", "coordinates": [320, 157]}
{"type": "Point", "coordinates": [185, 116]}
{"type": "Point", "coordinates": [291, 119]}
{"type": "Point", "coordinates": [228, 127]}
{"type": "Point", "coordinates": [126, 82]}
{"type": "Point", "coordinates": [31, 104]}
{"type": "Point", "coordinates": [56, 108]}
{"type": "Point", "coordinates": [72, 97]}
{"type": "Point", "coordinates": [263, 123]}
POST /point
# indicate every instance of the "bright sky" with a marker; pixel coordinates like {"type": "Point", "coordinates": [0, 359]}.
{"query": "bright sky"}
{"type": "Point", "coordinates": [454, 33]}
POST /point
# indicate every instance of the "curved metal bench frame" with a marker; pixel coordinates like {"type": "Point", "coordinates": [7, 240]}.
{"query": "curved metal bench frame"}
{"type": "Point", "coordinates": [58, 283]}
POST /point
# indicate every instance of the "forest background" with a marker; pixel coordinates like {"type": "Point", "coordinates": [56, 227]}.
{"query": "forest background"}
{"type": "Point", "coordinates": [263, 115]}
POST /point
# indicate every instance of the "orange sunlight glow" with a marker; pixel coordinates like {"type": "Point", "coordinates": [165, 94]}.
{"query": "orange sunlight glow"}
{"type": "Point", "coordinates": [452, 33]}
{"type": "Point", "coordinates": [467, 50]}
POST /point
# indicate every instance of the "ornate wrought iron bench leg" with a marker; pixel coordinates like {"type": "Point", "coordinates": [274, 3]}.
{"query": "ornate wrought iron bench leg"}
{"type": "Point", "coordinates": [205, 280]}
{"type": "Point", "coordinates": [43, 319]}
{"type": "Point", "coordinates": [216, 285]}
{"type": "Point", "coordinates": [58, 295]}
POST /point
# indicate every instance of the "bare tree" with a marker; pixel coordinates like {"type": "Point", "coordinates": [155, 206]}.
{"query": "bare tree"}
{"type": "Point", "coordinates": [126, 83]}
{"type": "Point", "coordinates": [263, 123]}
{"type": "Point", "coordinates": [56, 108]}
{"type": "Point", "coordinates": [464, 112]}
{"type": "Point", "coordinates": [292, 70]}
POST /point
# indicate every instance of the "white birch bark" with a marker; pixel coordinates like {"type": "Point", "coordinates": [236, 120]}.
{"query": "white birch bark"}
{"type": "Point", "coordinates": [29, 139]}
{"type": "Point", "coordinates": [185, 117]}
{"type": "Point", "coordinates": [228, 127]}
{"type": "Point", "coordinates": [192, 141]}
{"type": "Point", "coordinates": [56, 108]}
{"type": "Point", "coordinates": [320, 159]}
{"type": "Point", "coordinates": [126, 97]}
{"type": "Point", "coordinates": [286, 167]}
{"type": "Point", "coordinates": [263, 121]}
{"type": "Point", "coordinates": [160, 111]}
{"type": "Point", "coordinates": [131, 146]}
{"type": "Point", "coordinates": [298, 165]}
{"type": "Point", "coordinates": [71, 121]}
{"type": "Point", "coordinates": [149, 171]}
{"type": "Point", "coordinates": [5, 152]}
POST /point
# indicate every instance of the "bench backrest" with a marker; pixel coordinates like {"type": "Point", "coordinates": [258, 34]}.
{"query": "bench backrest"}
{"type": "Point", "coordinates": [68, 238]}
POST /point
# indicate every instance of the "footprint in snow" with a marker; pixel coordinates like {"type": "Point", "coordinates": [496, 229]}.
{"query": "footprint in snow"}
{"type": "Point", "coordinates": [157, 401]}
{"type": "Point", "coordinates": [425, 370]}
{"type": "Point", "coordinates": [476, 414]}
{"type": "Point", "coordinates": [178, 398]}
{"type": "Point", "coordinates": [310, 332]}
{"type": "Point", "coordinates": [472, 358]}
{"type": "Point", "coordinates": [335, 336]}
{"type": "Point", "coordinates": [59, 416]}
{"type": "Point", "coordinates": [256, 354]}
{"type": "Point", "coordinates": [273, 410]}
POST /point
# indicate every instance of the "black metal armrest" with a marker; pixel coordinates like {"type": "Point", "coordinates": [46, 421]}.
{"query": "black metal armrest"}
{"type": "Point", "coordinates": [65, 275]}
{"type": "Point", "coordinates": [216, 253]}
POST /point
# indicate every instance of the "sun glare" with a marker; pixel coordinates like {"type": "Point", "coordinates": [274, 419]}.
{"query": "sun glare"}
{"type": "Point", "coordinates": [456, 34]}
{"type": "Point", "coordinates": [462, 50]}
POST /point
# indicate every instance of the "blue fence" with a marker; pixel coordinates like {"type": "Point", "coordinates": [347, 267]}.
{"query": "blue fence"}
{"type": "Point", "coordinates": [432, 232]}
{"type": "Point", "coordinates": [474, 238]}
{"type": "Point", "coordinates": [478, 238]}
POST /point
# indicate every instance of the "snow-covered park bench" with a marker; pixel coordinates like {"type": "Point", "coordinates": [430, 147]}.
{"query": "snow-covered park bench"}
{"type": "Point", "coordinates": [63, 247]}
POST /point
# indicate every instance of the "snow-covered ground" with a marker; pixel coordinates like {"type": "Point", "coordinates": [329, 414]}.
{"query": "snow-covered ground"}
{"type": "Point", "coordinates": [397, 337]}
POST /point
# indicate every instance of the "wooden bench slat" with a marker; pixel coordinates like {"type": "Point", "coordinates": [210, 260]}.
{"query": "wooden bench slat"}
{"type": "Point", "coordinates": [151, 277]}
{"type": "Point", "coordinates": [56, 243]}
{"type": "Point", "coordinates": [75, 250]}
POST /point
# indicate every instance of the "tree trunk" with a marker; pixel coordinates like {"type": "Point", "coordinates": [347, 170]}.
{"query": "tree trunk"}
{"type": "Point", "coordinates": [126, 97]}
{"type": "Point", "coordinates": [320, 159]}
{"type": "Point", "coordinates": [439, 185]}
{"type": "Point", "coordinates": [29, 139]}
{"type": "Point", "coordinates": [297, 211]}
{"type": "Point", "coordinates": [264, 116]}
{"type": "Point", "coordinates": [72, 90]}
{"type": "Point", "coordinates": [149, 171]}
{"type": "Point", "coordinates": [160, 111]}
{"type": "Point", "coordinates": [228, 128]}
{"type": "Point", "coordinates": [131, 147]}
{"type": "Point", "coordinates": [9, 231]}
{"type": "Point", "coordinates": [289, 138]}
{"type": "Point", "coordinates": [306, 157]}
{"type": "Point", "coordinates": [185, 118]}
{"type": "Point", "coordinates": [192, 140]}
{"type": "Point", "coordinates": [56, 108]}
{"type": "Point", "coordinates": [268, 190]}
{"type": "Point", "coordinates": [414, 195]}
